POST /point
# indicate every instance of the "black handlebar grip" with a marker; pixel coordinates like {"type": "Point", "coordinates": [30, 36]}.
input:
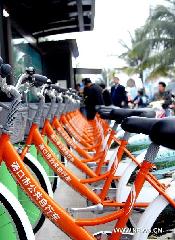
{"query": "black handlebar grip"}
{"type": "Point", "coordinates": [58, 89]}
{"type": "Point", "coordinates": [39, 80]}
{"type": "Point", "coordinates": [5, 70]}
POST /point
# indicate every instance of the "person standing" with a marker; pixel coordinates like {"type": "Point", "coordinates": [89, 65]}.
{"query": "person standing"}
{"type": "Point", "coordinates": [77, 88]}
{"type": "Point", "coordinates": [164, 95]}
{"type": "Point", "coordinates": [118, 93]}
{"type": "Point", "coordinates": [106, 95]}
{"type": "Point", "coordinates": [141, 100]}
{"type": "Point", "coordinates": [92, 96]}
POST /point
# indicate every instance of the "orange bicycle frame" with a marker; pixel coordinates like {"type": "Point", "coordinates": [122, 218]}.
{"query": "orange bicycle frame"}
{"type": "Point", "coordinates": [30, 186]}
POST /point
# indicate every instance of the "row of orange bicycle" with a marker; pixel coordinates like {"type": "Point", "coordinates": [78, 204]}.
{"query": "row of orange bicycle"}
{"type": "Point", "coordinates": [37, 139]}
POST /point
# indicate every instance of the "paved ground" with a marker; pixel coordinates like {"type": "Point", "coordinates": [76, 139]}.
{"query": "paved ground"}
{"type": "Point", "coordinates": [67, 198]}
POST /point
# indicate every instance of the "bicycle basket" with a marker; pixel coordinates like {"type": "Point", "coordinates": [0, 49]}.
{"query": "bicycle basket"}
{"type": "Point", "coordinates": [32, 110]}
{"type": "Point", "coordinates": [44, 115]}
{"type": "Point", "coordinates": [19, 124]}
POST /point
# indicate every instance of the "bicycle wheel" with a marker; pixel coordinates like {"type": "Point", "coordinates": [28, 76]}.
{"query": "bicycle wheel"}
{"type": "Point", "coordinates": [55, 182]}
{"type": "Point", "coordinates": [36, 217]}
{"type": "Point", "coordinates": [44, 164]}
{"type": "Point", "coordinates": [50, 173]}
{"type": "Point", "coordinates": [14, 224]}
{"type": "Point", "coordinates": [158, 217]}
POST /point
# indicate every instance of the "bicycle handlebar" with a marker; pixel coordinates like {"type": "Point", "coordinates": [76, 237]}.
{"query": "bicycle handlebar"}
{"type": "Point", "coordinates": [36, 80]}
{"type": "Point", "coordinates": [33, 80]}
{"type": "Point", "coordinates": [58, 88]}
{"type": "Point", "coordinates": [40, 80]}
{"type": "Point", "coordinates": [9, 89]}
{"type": "Point", "coordinates": [5, 69]}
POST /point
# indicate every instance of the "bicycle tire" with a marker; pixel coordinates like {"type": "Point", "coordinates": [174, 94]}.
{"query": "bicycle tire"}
{"type": "Point", "coordinates": [161, 209]}
{"type": "Point", "coordinates": [41, 218]}
{"type": "Point", "coordinates": [16, 225]}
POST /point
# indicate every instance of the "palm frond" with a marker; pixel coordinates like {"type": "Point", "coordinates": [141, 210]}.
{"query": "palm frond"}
{"type": "Point", "coordinates": [159, 71]}
{"type": "Point", "coordinates": [163, 12]}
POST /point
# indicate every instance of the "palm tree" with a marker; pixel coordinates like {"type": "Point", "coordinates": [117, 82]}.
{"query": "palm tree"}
{"type": "Point", "coordinates": [136, 54]}
{"type": "Point", "coordinates": [154, 44]}
{"type": "Point", "coordinates": [159, 30]}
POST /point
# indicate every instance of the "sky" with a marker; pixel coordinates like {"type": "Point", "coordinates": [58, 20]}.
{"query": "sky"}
{"type": "Point", "coordinates": [114, 19]}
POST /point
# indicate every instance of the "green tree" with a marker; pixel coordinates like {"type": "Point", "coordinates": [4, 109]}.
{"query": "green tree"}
{"type": "Point", "coordinates": [153, 45]}
{"type": "Point", "coordinates": [135, 54]}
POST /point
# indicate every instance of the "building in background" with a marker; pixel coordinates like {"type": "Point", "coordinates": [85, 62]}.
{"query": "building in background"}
{"type": "Point", "coordinates": [23, 23]}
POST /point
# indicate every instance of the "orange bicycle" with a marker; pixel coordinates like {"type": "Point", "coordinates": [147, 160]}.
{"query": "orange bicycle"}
{"type": "Point", "coordinates": [35, 138]}
{"type": "Point", "coordinates": [72, 227]}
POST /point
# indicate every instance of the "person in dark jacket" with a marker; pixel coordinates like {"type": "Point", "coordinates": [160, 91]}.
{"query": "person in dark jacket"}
{"type": "Point", "coordinates": [92, 96]}
{"type": "Point", "coordinates": [141, 100]}
{"type": "Point", "coordinates": [118, 94]}
{"type": "Point", "coordinates": [106, 95]}
{"type": "Point", "coordinates": [162, 94]}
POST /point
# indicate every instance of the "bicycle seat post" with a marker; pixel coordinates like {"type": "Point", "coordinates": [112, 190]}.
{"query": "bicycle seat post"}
{"type": "Point", "coordinates": [152, 152]}
{"type": "Point", "coordinates": [115, 126]}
